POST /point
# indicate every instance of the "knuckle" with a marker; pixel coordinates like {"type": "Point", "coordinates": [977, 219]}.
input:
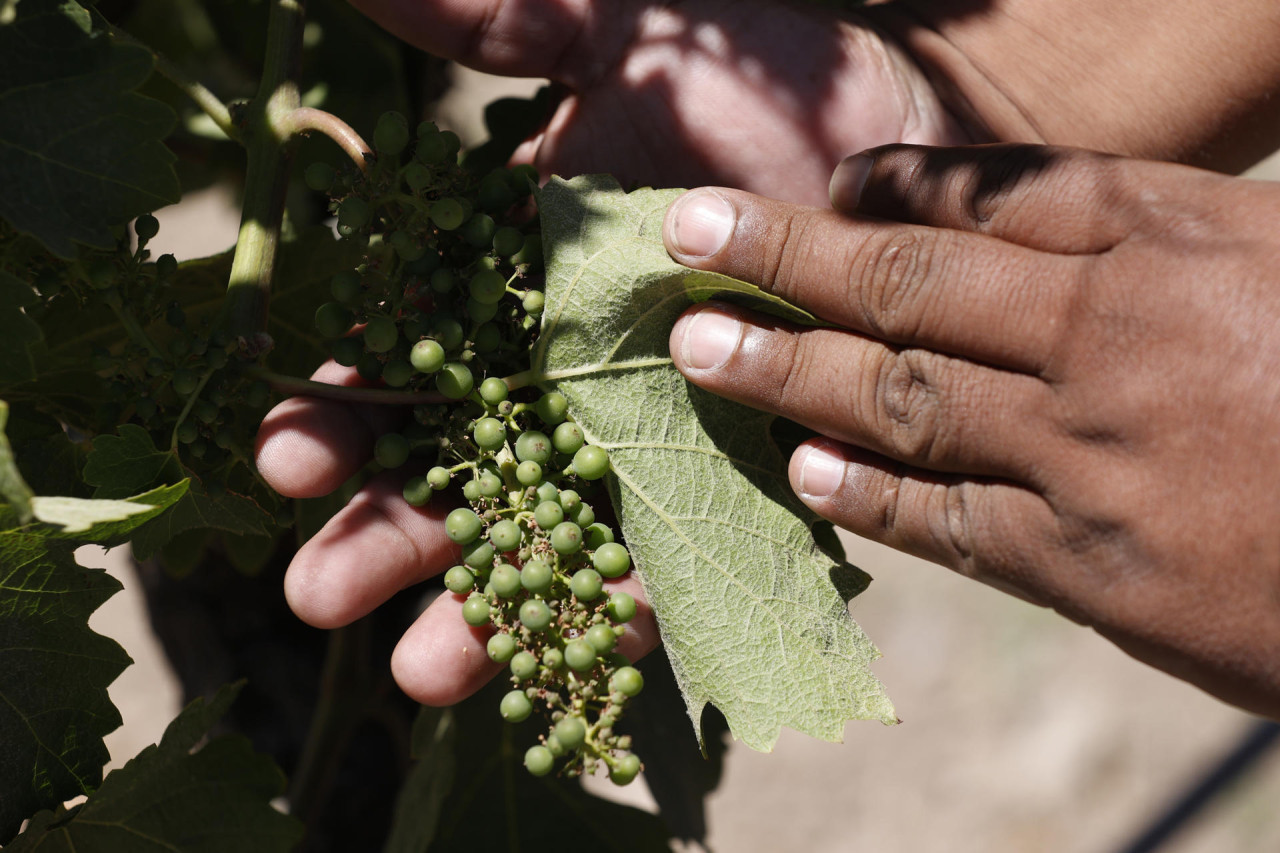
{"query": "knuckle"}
{"type": "Point", "coordinates": [991, 190]}
{"type": "Point", "coordinates": [888, 281]}
{"type": "Point", "coordinates": [908, 406]}
{"type": "Point", "coordinates": [781, 271]}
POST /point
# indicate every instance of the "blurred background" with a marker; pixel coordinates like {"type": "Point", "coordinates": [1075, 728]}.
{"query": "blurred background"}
{"type": "Point", "coordinates": [1021, 731]}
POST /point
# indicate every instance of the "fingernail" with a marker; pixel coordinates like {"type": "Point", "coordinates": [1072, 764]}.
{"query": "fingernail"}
{"type": "Point", "coordinates": [821, 471]}
{"type": "Point", "coordinates": [709, 339]}
{"type": "Point", "coordinates": [701, 222]}
{"type": "Point", "coordinates": [848, 180]}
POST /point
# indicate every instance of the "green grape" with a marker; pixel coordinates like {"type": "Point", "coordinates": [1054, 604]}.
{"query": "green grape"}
{"type": "Point", "coordinates": [548, 514]}
{"type": "Point", "coordinates": [478, 230]}
{"type": "Point", "coordinates": [166, 265]}
{"type": "Point", "coordinates": [536, 576]}
{"type": "Point", "coordinates": [548, 492]}
{"type": "Point", "coordinates": [431, 145]}
{"type": "Point", "coordinates": [487, 286]}
{"type": "Point", "coordinates": [459, 579]}
{"type": "Point", "coordinates": [427, 356]}
{"type": "Point", "coordinates": [416, 492]}
{"type": "Point", "coordinates": [438, 478]}
{"type": "Point", "coordinates": [553, 658]}
{"type": "Point", "coordinates": [505, 535]}
{"type": "Point", "coordinates": [586, 584]}
{"type": "Point", "coordinates": [567, 438]}
{"type": "Point", "coordinates": [591, 462]}
{"type": "Point", "coordinates": [397, 372]}
{"type": "Point", "coordinates": [583, 515]}
{"type": "Point", "coordinates": [471, 490]}
{"type": "Point", "coordinates": [463, 526]}
{"type": "Point", "coordinates": [507, 241]}
{"type": "Point", "coordinates": [408, 248]}
{"type": "Point", "coordinates": [611, 560]}
{"type": "Point", "coordinates": [495, 193]}
{"type": "Point", "coordinates": [505, 580]}
{"type": "Point", "coordinates": [391, 450]}
{"type": "Point", "coordinates": [455, 380]}
{"type": "Point", "coordinates": [533, 446]}
{"type": "Point", "coordinates": [391, 134]}
{"type": "Point", "coordinates": [622, 607]}
{"type": "Point", "coordinates": [551, 407]}
{"type": "Point", "coordinates": [345, 286]}
{"type": "Point", "coordinates": [417, 176]}
{"type": "Point", "coordinates": [146, 226]}
{"type": "Point", "coordinates": [627, 680]}
{"type": "Point", "coordinates": [523, 666]}
{"type": "Point", "coordinates": [319, 177]}
{"type": "Point", "coordinates": [184, 381]}
{"type": "Point", "coordinates": [475, 611]}
{"type": "Point", "coordinates": [487, 338]}
{"type": "Point", "coordinates": [332, 320]}
{"type": "Point", "coordinates": [481, 312]}
{"type": "Point", "coordinates": [625, 769]}
{"type": "Point", "coordinates": [535, 615]}
{"type": "Point", "coordinates": [529, 473]}
{"type": "Point", "coordinates": [533, 303]}
{"type": "Point", "coordinates": [478, 554]}
{"type": "Point", "coordinates": [187, 432]}
{"type": "Point", "coordinates": [424, 266]}
{"type": "Point", "coordinates": [571, 732]}
{"type": "Point", "coordinates": [205, 411]}
{"type": "Point", "coordinates": [579, 655]}
{"type": "Point", "coordinates": [347, 351]}
{"type": "Point", "coordinates": [447, 213]}
{"type": "Point", "coordinates": [489, 434]}
{"type": "Point", "coordinates": [595, 535]}
{"type": "Point", "coordinates": [380, 333]}
{"type": "Point", "coordinates": [531, 252]}
{"type": "Point", "coordinates": [224, 438]}
{"type": "Point", "coordinates": [447, 331]}
{"type": "Point", "coordinates": [566, 538]}
{"type": "Point", "coordinates": [523, 178]}
{"type": "Point", "coordinates": [501, 648]}
{"type": "Point", "coordinates": [443, 280]}
{"type": "Point", "coordinates": [354, 213]}
{"type": "Point", "coordinates": [601, 638]}
{"type": "Point", "coordinates": [538, 760]}
{"type": "Point", "coordinates": [490, 484]}
{"type": "Point", "coordinates": [493, 391]}
{"type": "Point", "coordinates": [452, 143]}
{"type": "Point", "coordinates": [569, 500]}
{"type": "Point", "coordinates": [369, 367]}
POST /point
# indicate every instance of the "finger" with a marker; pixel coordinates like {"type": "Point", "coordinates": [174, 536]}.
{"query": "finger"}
{"type": "Point", "coordinates": [985, 530]}
{"type": "Point", "coordinates": [967, 294]}
{"type": "Point", "coordinates": [914, 405]}
{"type": "Point", "coordinates": [442, 660]}
{"type": "Point", "coordinates": [1059, 200]}
{"type": "Point", "coordinates": [515, 38]}
{"type": "Point", "coordinates": [371, 549]}
{"type": "Point", "coordinates": [307, 446]}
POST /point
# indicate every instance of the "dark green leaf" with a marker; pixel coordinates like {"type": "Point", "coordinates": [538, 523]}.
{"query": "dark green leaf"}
{"type": "Point", "coordinates": [80, 150]}
{"type": "Point", "coordinates": [124, 463]}
{"type": "Point", "coordinates": [17, 331]}
{"type": "Point", "coordinates": [169, 798]}
{"type": "Point", "coordinates": [423, 794]}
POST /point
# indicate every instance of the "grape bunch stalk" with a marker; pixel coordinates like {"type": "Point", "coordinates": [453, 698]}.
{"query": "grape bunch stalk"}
{"type": "Point", "coordinates": [445, 305]}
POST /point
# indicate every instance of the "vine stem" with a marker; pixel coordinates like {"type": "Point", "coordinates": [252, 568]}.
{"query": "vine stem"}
{"type": "Point", "coordinates": [209, 103]}
{"type": "Point", "coordinates": [304, 119]}
{"type": "Point", "coordinates": [267, 176]}
{"type": "Point", "coordinates": [293, 386]}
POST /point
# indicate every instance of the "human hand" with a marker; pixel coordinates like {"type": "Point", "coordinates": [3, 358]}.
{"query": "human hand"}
{"type": "Point", "coordinates": [749, 93]}
{"type": "Point", "coordinates": [1053, 371]}
{"type": "Point", "coordinates": [378, 544]}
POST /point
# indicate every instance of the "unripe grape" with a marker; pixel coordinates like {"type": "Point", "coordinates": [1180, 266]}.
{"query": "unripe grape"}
{"type": "Point", "coordinates": [501, 648]}
{"type": "Point", "coordinates": [586, 584]}
{"type": "Point", "coordinates": [478, 554]}
{"type": "Point", "coordinates": [487, 338]}
{"type": "Point", "coordinates": [475, 611]}
{"type": "Point", "coordinates": [187, 432]}
{"type": "Point", "coordinates": [571, 732]}
{"type": "Point", "coordinates": [505, 580]}
{"type": "Point", "coordinates": [397, 372]}
{"type": "Point", "coordinates": [595, 535]}
{"type": "Point", "coordinates": [489, 433]}
{"type": "Point", "coordinates": [579, 655]}
{"type": "Point", "coordinates": [447, 213]}
{"type": "Point", "coordinates": [591, 462]}
{"type": "Point", "coordinates": [622, 607]}
{"type": "Point", "coordinates": [523, 666]}
{"type": "Point", "coordinates": [406, 246]}
{"type": "Point", "coordinates": [431, 147]}
{"type": "Point", "coordinates": [495, 193]}
{"type": "Point", "coordinates": [569, 499]}
{"type": "Point", "coordinates": [471, 490]}
{"type": "Point", "coordinates": [146, 226]}
{"type": "Point", "coordinates": [443, 280]}
{"type": "Point", "coordinates": [583, 515]}
{"type": "Point", "coordinates": [481, 312]}
{"type": "Point", "coordinates": [447, 331]}
{"type": "Point", "coordinates": [533, 446]}
{"type": "Point", "coordinates": [551, 407]}
{"type": "Point", "coordinates": [507, 241]}
{"type": "Point", "coordinates": [184, 381]}
{"type": "Point", "coordinates": [515, 707]}
{"type": "Point", "coordinates": [548, 492]}
{"type": "Point", "coordinates": [566, 538]}
{"type": "Point", "coordinates": [567, 438]}
{"type": "Point", "coordinates": [166, 265]}
{"type": "Point", "coordinates": [531, 252]}
{"type": "Point", "coordinates": [529, 473]}
{"type": "Point", "coordinates": [438, 478]}
{"type": "Point", "coordinates": [369, 367]}
{"type": "Point", "coordinates": [533, 303]}
{"type": "Point", "coordinates": [205, 411]}
{"type": "Point", "coordinates": [427, 356]}
{"type": "Point", "coordinates": [417, 176]}
{"type": "Point", "coordinates": [391, 450]}
{"type": "Point", "coordinates": [463, 526]}
{"type": "Point", "coordinates": [487, 286]}
{"type": "Point", "coordinates": [479, 230]}
{"type": "Point", "coordinates": [354, 213]}
{"type": "Point", "coordinates": [345, 286]}
{"type": "Point", "coordinates": [505, 535]}
{"type": "Point", "coordinates": [455, 380]}
{"type": "Point", "coordinates": [536, 576]}
{"type": "Point", "coordinates": [611, 560]}
{"type": "Point", "coordinates": [391, 134]}
{"type": "Point", "coordinates": [553, 658]}
{"type": "Point", "coordinates": [416, 492]}
{"type": "Point", "coordinates": [548, 514]}
{"type": "Point", "coordinates": [535, 615]}
{"type": "Point", "coordinates": [627, 680]}
{"type": "Point", "coordinates": [625, 769]}
{"type": "Point", "coordinates": [523, 178]}
{"type": "Point", "coordinates": [490, 484]}
{"type": "Point", "coordinates": [380, 333]}
{"type": "Point", "coordinates": [539, 761]}
{"type": "Point", "coordinates": [319, 176]}
{"type": "Point", "coordinates": [452, 143]}
{"type": "Point", "coordinates": [601, 638]}
{"type": "Point", "coordinates": [332, 320]}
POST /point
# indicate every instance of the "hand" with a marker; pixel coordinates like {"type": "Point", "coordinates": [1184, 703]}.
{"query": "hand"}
{"type": "Point", "coordinates": [378, 545]}
{"type": "Point", "coordinates": [1053, 371]}
{"type": "Point", "coordinates": [748, 93]}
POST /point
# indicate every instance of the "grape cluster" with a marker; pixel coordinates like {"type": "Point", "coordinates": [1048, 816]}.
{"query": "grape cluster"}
{"type": "Point", "coordinates": [446, 300]}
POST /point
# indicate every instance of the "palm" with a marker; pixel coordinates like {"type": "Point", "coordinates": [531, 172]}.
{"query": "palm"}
{"type": "Point", "coordinates": [750, 94]}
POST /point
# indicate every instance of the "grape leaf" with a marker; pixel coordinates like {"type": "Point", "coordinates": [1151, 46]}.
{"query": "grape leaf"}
{"type": "Point", "coordinates": [17, 331]}
{"type": "Point", "coordinates": [80, 150]}
{"type": "Point", "coordinates": [753, 613]}
{"type": "Point", "coordinates": [421, 798]}
{"type": "Point", "coordinates": [54, 670]}
{"type": "Point", "coordinates": [169, 798]}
